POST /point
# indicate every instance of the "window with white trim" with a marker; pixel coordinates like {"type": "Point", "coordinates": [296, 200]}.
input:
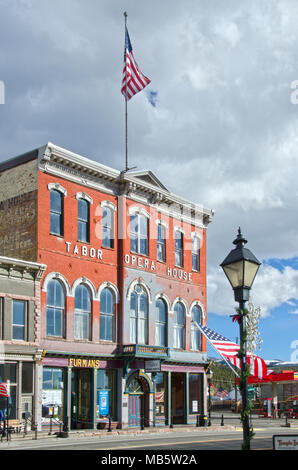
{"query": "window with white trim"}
{"type": "Point", "coordinates": [107, 315]}
{"type": "Point", "coordinates": [139, 316]}
{"type": "Point", "coordinates": [139, 234]}
{"type": "Point", "coordinates": [55, 308]}
{"type": "Point", "coordinates": [107, 227]}
{"type": "Point", "coordinates": [83, 220]}
{"type": "Point", "coordinates": [179, 326]}
{"type": "Point", "coordinates": [82, 312]}
{"type": "Point", "coordinates": [178, 248]}
{"type": "Point", "coordinates": [161, 242]}
{"type": "Point", "coordinates": [161, 323]}
{"type": "Point", "coordinates": [195, 251]}
{"type": "Point", "coordinates": [19, 315]}
{"type": "Point", "coordinates": [56, 212]}
{"type": "Point", "coordinates": [196, 316]}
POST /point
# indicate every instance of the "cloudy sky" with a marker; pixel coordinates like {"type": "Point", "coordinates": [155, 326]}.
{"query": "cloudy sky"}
{"type": "Point", "coordinates": [218, 123]}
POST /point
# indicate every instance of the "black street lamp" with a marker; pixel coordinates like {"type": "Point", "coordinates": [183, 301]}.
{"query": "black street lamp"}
{"type": "Point", "coordinates": [241, 267]}
{"type": "Point", "coordinates": [209, 377]}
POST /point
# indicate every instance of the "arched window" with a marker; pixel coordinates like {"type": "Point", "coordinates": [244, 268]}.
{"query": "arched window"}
{"type": "Point", "coordinates": [107, 227]}
{"type": "Point", "coordinates": [196, 316]}
{"type": "Point", "coordinates": [179, 326]}
{"type": "Point", "coordinates": [107, 315]}
{"type": "Point", "coordinates": [56, 212]}
{"type": "Point", "coordinates": [161, 323]}
{"type": "Point", "coordinates": [83, 220]}
{"type": "Point", "coordinates": [55, 308]}
{"type": "Point", "coordinates": [82, 312]}
{"type": "Point", "coordinates": [139, 316]}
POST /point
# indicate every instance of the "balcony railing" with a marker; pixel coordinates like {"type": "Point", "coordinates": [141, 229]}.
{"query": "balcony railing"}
{"type": "Point", "coordinates": [143, 350]}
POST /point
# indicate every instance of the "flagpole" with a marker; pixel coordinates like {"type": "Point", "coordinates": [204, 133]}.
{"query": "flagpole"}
{"type": "Point", "coordinates": [126, 139]}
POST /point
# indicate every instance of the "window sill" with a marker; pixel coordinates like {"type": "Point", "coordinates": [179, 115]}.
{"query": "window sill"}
{"type": "Point", "coordinates": [110, 248]}
{"type": "Point", "coordinates": [57, 235]}
{"type": "Point", "coordinates": [139, 254]}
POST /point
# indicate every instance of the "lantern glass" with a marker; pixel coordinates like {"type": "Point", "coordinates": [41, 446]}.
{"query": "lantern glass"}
{"type": "Point", "coordinates": [241, 273]}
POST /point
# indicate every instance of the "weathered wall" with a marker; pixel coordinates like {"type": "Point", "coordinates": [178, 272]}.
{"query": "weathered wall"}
{"type": "Point", "coordinates": [18, 212]}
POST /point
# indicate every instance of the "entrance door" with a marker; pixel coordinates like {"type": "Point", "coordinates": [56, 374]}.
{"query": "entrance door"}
{"type": "Point", "coordinates": [81, 402]}
{"type": "Point", "coordinates": [135, 410]}
{"type": "Point", "coordinates": [138, 401]}
{"type": "Point", "coordinates": [178, 398]}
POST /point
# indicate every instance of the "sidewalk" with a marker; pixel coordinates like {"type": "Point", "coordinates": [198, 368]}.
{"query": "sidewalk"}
{"type": "Point", "coordinates": [230, 422]}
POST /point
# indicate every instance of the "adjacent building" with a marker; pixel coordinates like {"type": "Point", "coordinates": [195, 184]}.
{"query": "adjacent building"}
{"type": "Point", "coordinates": [20, 353]}
{"type": "Point", "coordinates": [124, 285]}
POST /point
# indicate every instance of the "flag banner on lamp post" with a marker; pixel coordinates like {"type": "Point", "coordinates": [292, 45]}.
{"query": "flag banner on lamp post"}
{"type": "Point", "coordinates": [229, 351]}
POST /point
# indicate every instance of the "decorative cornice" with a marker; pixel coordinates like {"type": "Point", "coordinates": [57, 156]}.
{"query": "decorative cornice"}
{"type": "Point", "coordinates": [60, 162]}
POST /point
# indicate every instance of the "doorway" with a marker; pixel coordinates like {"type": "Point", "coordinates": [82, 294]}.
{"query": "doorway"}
{"type": "Point", "coordinates": [178, 398]}
{"type": "Point", "coordinates": [81, 399]}
{"type": "Point", "coordinates": [138, 402]}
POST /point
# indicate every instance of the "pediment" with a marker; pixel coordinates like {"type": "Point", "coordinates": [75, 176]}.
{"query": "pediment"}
{"type": "Point", "coordinates": [148, 177]}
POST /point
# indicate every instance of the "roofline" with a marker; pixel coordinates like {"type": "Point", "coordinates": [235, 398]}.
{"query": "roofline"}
{"type": "Point", "coordinates": [22, 263]}
{"type": "Point", "coordinates": [50, 151]}
{"type": "Point", "coordinates": [19, 160]}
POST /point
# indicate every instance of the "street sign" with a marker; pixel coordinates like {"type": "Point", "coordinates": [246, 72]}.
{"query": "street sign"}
{"type": "Point", "coordinates": [152, 365]}
{"type": "Point", "coordinates": [285, 442]}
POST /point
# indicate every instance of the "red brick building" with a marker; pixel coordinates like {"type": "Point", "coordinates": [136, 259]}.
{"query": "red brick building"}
{"type": "Point", "coordinates": [124, 283]}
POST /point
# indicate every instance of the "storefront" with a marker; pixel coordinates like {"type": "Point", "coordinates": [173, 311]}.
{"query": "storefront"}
{"type": "Point", "coordinates": [81, 391]}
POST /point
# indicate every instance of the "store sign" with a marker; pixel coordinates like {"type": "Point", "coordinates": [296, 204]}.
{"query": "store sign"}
{"type": "Point", "coordinates": [91, 363]}
{"type": "Point", "coordinates": [285, 442]}
{"type": "Point", "coordinates": [153, 365]}
{"type": "Point", "coordinates": [145, 263]}
{"type": "Point", "coordinates": [83, 250]}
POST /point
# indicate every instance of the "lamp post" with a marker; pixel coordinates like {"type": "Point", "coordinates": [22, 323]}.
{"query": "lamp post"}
{"type": "Point", "coordinates": [241, 267]}
{"type": "Point", "coordinates": [209, 377]}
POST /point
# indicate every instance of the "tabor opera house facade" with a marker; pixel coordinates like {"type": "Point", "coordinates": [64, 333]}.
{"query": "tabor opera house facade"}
{"type": "Point", "coordinates": [125, 280]}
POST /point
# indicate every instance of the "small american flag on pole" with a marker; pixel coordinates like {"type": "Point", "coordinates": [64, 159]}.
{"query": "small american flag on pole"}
{"type": "Point", "coordinates": [229, 350]}
{"type": "Point", "coordinates": [3, 390]}
{"type": "Point", "coordinates": [133, 80]}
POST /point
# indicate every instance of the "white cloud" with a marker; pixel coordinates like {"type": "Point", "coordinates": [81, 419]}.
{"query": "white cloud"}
{"type": "Point", "coordinates": [271, 288]}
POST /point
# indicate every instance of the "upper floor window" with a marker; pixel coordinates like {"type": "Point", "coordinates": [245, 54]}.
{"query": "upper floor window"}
{"type": "Point", "coordinates": [82, 312]}
{"type": "Point", "coordinates": [55, 308]}
{"type": "Point", "coordinates": [139, 234]}
{"type": "Point", "coordinates": [19, 320]}
{"type": "Point", "coordinates": [178, 248]}
{"type": "Point", "coordinates": [195, 244]}
{"type": "Point", "coordinates": [83, 220]}
{"type": "Point", "coordinates": [196, 317]}
{"type": "Point", "coordinates": [139, 316]}
{"type": "Point", "coordinates": [179, 326]}
{"type": "Point", "coordinates": [161, 323]}
{"type": "Point", "coordinates": [107, 227]}
{"type": "Point", "coordinates": [107, 315]}
{"type": "Point", "coordinates": [161, 242]}
{"type": "Point", "coordinates": [56, 212]}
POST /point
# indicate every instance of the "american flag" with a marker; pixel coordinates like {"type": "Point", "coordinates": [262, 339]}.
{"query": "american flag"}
{"type": "Point", "coordinates": [229, 351]}
{"type": "Point", "coordinates": [3, 390]}
{"type": "Point", "coordinates": [133, 80]}
{"type": "Point", "coordinates": [222, 393]}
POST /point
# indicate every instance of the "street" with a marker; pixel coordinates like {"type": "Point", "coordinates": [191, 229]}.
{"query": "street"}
{"type": "Point", "coordinates": [193, 439]}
